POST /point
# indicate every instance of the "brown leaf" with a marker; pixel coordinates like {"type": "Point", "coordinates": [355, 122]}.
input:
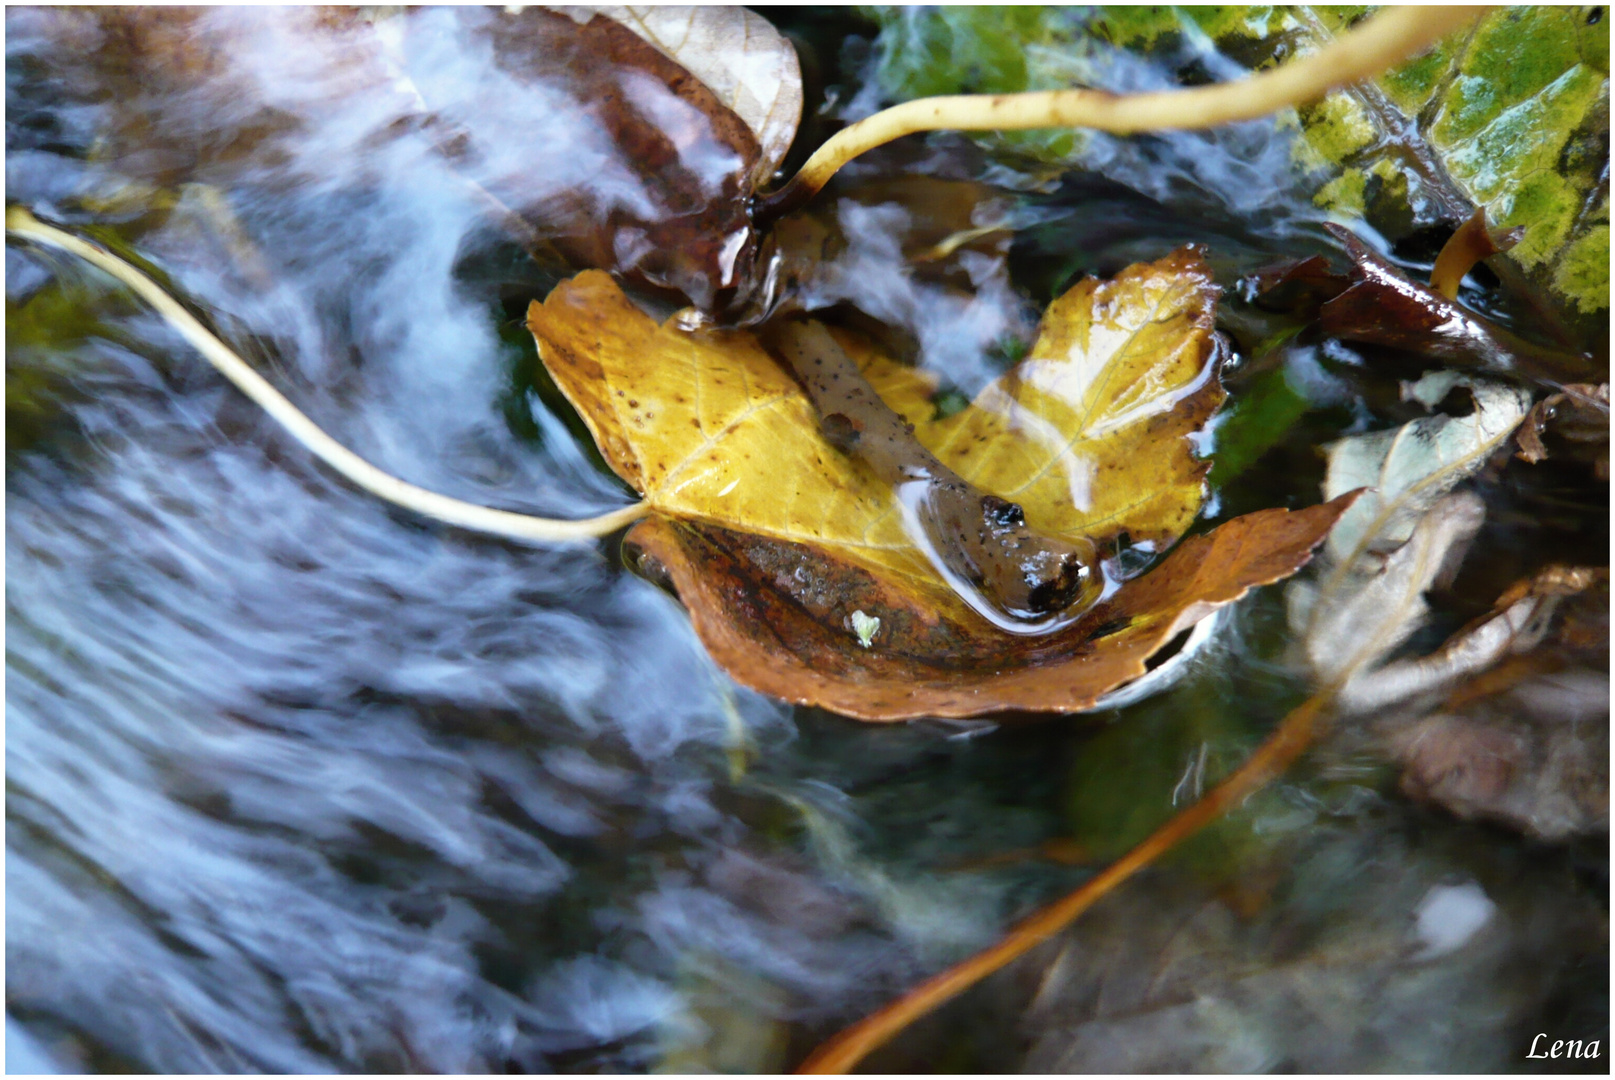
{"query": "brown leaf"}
{"type": "Point", "coordinates": [794, 557]}
{"type": "Point", "coordinates": [671, 164]}
{"type": "Point", "coordinates": [1579, 416]}
{"type": "Point", "coordinates": [1525, 742]}
{"type": "Point", "coordinates": [738, 55]}
{"type": "Point", "coordinates": [777, 616]}
{"type": "Point", "coordinates": [1382, 306]}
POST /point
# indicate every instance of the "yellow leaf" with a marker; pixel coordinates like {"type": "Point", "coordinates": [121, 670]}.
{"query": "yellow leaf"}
{"type": "Point", "coordinates": [1089, 434]}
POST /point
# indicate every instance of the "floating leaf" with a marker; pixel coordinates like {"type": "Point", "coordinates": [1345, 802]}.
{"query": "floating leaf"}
{"type": "Point", "coordinates": [775, 539]}
{"type": "Point", "coordinates": [775, 616]}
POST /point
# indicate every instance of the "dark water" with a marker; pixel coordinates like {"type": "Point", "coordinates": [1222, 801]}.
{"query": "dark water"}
{"type": "Point", "coordinates": [296, 782]}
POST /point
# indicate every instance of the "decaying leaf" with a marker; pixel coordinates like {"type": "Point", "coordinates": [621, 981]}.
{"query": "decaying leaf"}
{"type": "Point", "coordinates": [738, 55]}
{"type": "Point", "coordinates": [1410, 467]}
{"type": "Point", "coordinates": [1576, 419]}
{"type": "Point", "coordinates": [774, 538]}
{"type": "Point", "coordinates": [1527, 742]}
{"type": "Point", "coordinates": [777, 617]}
{"type": "Point", "coordinates": [1376, 303]}
{"type": "Point", "coordinates": [1396, 540]}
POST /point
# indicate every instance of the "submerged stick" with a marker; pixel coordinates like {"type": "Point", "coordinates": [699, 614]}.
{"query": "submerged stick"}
{"type": "Point", "coordinates": [514, 526]}
{"type": "Point", "coordinates": [1292, 736]}
{"type": "Point", "coordinates": [973, 534]}
{"type": "Point", "coordinates": [1392, 35]}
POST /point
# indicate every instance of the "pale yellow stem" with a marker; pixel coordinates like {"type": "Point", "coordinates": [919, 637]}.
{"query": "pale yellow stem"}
{"type": "Point", "coordinates": [19, 222]}
{"type": "Point", "coordinates": [1392, 35]}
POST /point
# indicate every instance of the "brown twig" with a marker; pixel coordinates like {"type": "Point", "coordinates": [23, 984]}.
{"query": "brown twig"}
{"type": "Point", "coordinates": [1287, 742]}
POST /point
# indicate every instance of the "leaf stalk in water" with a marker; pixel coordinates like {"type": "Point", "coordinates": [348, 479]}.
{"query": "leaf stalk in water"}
{"type": "Point", "coordinates": [1392, 35]}
{"type": "Point", "coordinates": [1288, 741]}
{"type": "Point", "coordinates": [514, 526]}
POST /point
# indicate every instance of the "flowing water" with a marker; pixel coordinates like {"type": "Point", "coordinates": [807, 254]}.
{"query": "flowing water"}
{"type": "Point", "coordinates": [297, 782]}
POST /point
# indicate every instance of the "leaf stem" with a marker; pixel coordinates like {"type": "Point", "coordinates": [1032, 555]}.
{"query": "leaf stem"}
{"type": "Point", "coordinates": [19, 222]}
{"type": "Point", "coordinates": [1392, 35]}
{"type": "Point", "coordinates": [1287, 742]}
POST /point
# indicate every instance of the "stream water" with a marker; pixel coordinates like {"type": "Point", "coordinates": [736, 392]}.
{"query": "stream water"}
{"type": "Point", "coordinates": [296, 782]}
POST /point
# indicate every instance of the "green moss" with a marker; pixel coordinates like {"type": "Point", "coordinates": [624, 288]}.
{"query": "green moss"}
{"type": "Point", "coordinates": [1410, 85]}
{"type": "Point", "coordinates": [1136, 26]}
{"type": "Point", "coordinates": [1344, 193]}
{"type": "Point", "coordinates": [1582, 274]}
{"type": "Point", "coordinates": [1332, 131]}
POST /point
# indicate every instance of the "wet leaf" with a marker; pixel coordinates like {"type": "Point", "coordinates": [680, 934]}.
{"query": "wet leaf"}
{"type": "Point", "coordinates": [774, 539]}
{"type": "Point", "coordinates": [707, 425]}
{"type": "Point", "coordinates": [1401, 536]}
{"type": "Point", "coordinates": [1363, 614]}
{"type": "Point", "coordinates": [1382, 306]}
{"type": "Point", "coordinates": [1576, 421]}
{"type": "Point", "coordinates": [1522, 734]}
{"type": "Point", "coordinates": [738, 55]}
{"type": "Point", "coordinates": [1412, 466]}
{"type": "Point", "coordinates": [776, 616]}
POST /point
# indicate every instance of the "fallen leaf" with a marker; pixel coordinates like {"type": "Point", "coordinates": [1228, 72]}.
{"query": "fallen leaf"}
{"type": "Point", "coordinates": [774, 538]}
{"type": "Point", "coordinates": [708, 426]}
{"type": "Point", "coordinates": [661, 169]}
{"type": "Point", "coordinates": [1526, 742]}
{"type": "Point", "coordinates": [1400, 537]}
{"type": "Point", "coordinates": [1383, 306]}
{"type": "Point", "coordinates": [1374, 302]}
{"type": "Point", "coordinates": [1412, 466]}
{"type": "Point", "coordinates": [1358, 617]}
{"type": "Point", "coordinates": [738, 55]}
{"type": "Point", "coordinates": [1577, 418]}
{"type": "Point", "coordinates": [776, 616]}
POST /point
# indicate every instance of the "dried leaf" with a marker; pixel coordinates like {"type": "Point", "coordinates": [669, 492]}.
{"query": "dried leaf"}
{"type": "Point", "coordinates": [738, 55]}
{"type": "Point", "coordinates": [779, 538]}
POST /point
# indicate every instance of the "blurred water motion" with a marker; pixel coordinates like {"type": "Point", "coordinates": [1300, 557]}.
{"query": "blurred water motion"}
{"type": "Point", "coordinates": [297, 783]}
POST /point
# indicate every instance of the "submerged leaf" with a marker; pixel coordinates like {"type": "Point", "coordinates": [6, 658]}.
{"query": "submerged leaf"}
{"type": "Point", "coordinates": [738, 55]}
{"type": "Point", "coordinates": [775, 539]}
{"type": "Point", "coordinates": [1412, 466]}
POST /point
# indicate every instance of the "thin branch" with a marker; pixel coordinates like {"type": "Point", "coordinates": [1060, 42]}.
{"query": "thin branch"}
{"type": "Point", "coordinates": [1392, 35]}
{"type": "Point", "coordinates": [19, 222]}
{"type": "Point", "coordinates": [1292, 736]}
